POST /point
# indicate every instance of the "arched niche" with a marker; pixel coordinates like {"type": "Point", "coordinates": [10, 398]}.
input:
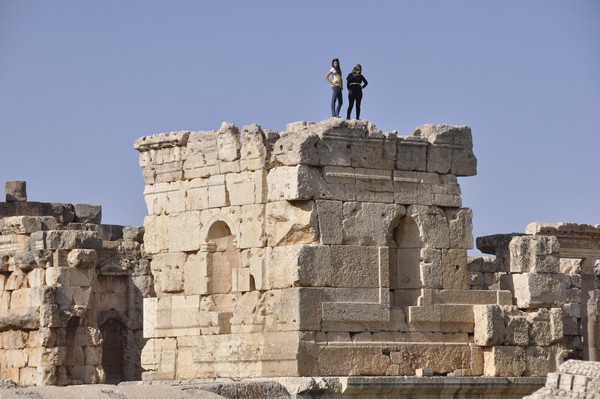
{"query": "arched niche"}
{"type": "Point", "coordinates": [223, 257]}
{"type": "Point", "coordinates": [405, 261]}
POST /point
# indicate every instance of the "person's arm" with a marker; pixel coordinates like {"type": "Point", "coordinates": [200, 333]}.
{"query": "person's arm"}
{"type": "Point", "coordinates": [329, 73]}
{"type": "Point", "coordinates": [365, 82]}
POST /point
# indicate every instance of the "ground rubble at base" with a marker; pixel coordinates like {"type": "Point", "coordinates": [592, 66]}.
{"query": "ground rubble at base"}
{"type": "Point", "coordinates": [293, 387]}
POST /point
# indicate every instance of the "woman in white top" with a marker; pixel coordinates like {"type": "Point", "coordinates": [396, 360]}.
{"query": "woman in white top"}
{"type": "Point", "coordinates": [334, 77]}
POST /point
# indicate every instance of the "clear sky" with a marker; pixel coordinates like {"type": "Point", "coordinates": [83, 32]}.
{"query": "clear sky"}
{"type": "Point", "coordinates": [81, 80]}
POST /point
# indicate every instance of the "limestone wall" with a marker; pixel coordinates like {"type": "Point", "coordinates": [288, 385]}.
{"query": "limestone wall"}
{"type": "Point", "coordinates": [331, 249]}
{"type": "Point", "coordinates": [70, 289]}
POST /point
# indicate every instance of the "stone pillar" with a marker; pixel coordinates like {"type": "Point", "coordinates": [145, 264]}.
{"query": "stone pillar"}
{"type": "Point", "coordinates": [589, 309]}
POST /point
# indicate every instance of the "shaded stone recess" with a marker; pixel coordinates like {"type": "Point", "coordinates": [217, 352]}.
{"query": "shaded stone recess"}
{"type": "Point", "coordinates": [71, 292]}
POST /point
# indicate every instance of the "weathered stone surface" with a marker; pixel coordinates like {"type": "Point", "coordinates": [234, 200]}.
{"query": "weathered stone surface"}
{"type": "Point", "coordinates": [16, 191]}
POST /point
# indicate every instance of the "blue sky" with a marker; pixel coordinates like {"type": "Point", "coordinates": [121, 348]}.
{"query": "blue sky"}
{"type": "Point", "coordinates": [81, 80]}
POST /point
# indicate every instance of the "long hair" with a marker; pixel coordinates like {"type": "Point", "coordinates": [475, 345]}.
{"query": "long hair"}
{"type": "Point", "coordinates": [339, 68]}
{"type": "Point", "coordinates": [357, 67]}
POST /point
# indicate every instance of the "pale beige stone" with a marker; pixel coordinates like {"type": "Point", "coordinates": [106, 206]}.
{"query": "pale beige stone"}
{"type": "Point", "coordinates": [533, 290]}
{"type": "Point", "coordinates": [291, 183]}
{"type": "Point", "coordinates": [241, 188]}
{"type": "Point", "coordinates": [252, 226]}
{"type": "Point", "coordinates": [411, 153]}
{"type": "Point", "coordinates": [534, 254]}
{"type": "Point", "coordinates": [367, 223]}
{"type": "Point", "coordinates": [300, 265]}
{"type": "Point", "coordinates": [156, 234]}
{"type": "Point", "coordinates": [289, 223]}
{"type": "Point", "coordinates": [330, 217]}
{"type": "Point", "coordinates": [454, 266]}
{"type": "Point", "coordinates": [228, 142]}
{"type": "Point", "coordinates": [460, 222]}
{"type": "Point", "coordinates": [217, 191]}
{"type": "Point", "coordinates": [359, 266]}
{"type": "Point", "coordinates": [433, 226]}
{"type": "Point", "coordinates": [183, 231]}
{"type": "Point", "coordinates": [168, 269]}
{"type": "Point", "coordinates": [504, 361]}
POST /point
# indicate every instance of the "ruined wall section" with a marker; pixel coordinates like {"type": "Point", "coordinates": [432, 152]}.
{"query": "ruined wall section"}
{"type": "Point", "coordinates": [550, 273]}
{"type": "Point", "coordinates": [53, 288]}
{"type": "Point", "coordinates": [305, 239]}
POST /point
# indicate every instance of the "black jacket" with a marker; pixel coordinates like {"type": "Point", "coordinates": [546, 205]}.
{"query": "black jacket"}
{"type": "Point", "coordinates": [354, 82]}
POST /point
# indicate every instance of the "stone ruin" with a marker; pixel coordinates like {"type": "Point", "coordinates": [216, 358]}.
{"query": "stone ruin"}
{"type": "Point", "coordinates": [335, 249]}
{"type": "Point", "coordinates": [330, 249]}
{"type": "Point", "coordinates": [71, 294]}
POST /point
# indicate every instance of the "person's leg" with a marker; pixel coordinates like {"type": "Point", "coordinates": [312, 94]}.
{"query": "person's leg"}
{"type": "Point", "coordinates": [340, 101]}
{"type": "Point", "coordinates": [358, 100]}
{"type": "Point", "coordinates": [334, 96]}
{"type": "Point", "coordinates": [350, 103]}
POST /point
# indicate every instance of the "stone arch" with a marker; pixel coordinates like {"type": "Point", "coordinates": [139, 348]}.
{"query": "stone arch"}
{"type": "Point", "coordinates": [114, 342]}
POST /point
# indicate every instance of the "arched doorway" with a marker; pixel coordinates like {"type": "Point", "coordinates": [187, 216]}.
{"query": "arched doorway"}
{"type": "Point", "coordinates": [114, 340]}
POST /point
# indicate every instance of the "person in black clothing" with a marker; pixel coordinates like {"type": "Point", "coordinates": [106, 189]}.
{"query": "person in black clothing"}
{"type": "Point", "coordinates": [355, 82]}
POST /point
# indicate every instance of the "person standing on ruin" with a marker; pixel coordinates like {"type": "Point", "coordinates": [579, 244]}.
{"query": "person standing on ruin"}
{"type": "Point", "coordinates": [355, 82]}
{"type": "Point", "coordinates": [334, 77]}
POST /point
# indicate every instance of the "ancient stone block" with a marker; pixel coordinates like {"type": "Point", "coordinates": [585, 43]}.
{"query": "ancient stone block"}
{"type": "Point", "coordinates": [368, 223]}
{"type": "Point", "coordinates": [217, 192]}
{"type": "Point", "coordinates": [85, 213]}
{"type": "Point", "coordinates": [289, 223]}
{"type": "Point", "coordinates": [454, 266]}
{"type": "Point", "coordinates": [254, 152]}
{"type": "Point", "coordinates": [443, 318]}
{"type": "Point", "coordinates": [183, 231]}
{"type": "Point", "coordinates": [20, 224]}
{"type": "Point", "coordinates": [539, 361]}
{"type": "Point", "coordinates": [241, 188]}
{"type": "Point", "coordinates": [168, 271]}
{"type": "Point", "coordinates": [411, 153]}
{"type": "Point", "coordinates": [330, 216]}
{"type": "Point", "coordinates": [433, 225]}
{"type": "Point", "coordinates": [504, 361]}
{"type": "Point", "coordinates": [534, 254]}
{"type": "Point", "coordinates": [374, 185]}
{"type": "Point", "coordinates": [297, 149]}
{"type": "Point", "coordinates": [257, 260]}
{"type": "Point", "coordinates": [533, 290]}
{"type": "Point", "coordinates": [294, 183]}
{"type": "Point", "coordinates": [228, 142]}
{"type": "Point", "coordinates": [14, 243]}
{"type": "Point", "coordinates": [71, 239]}
{"type": "Point", "coordinates": [16, 191]}
{"type": "Point", "coordinates": [452, 149]}
{"type": "Point", "coordinates": [358, 266]}
{"type": "Point", "coordinates": [82, 258]}
{"type": "Point", "coordinates": [252, 226]}
{"type": "Point", "coordinates": [338, 183]}
{"type": "Point", "coordinates": [300, 265]}
{"type": "Point", "coordinates": [460, 223]}
{"type": "Point", "coordinates": [431, 269]}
